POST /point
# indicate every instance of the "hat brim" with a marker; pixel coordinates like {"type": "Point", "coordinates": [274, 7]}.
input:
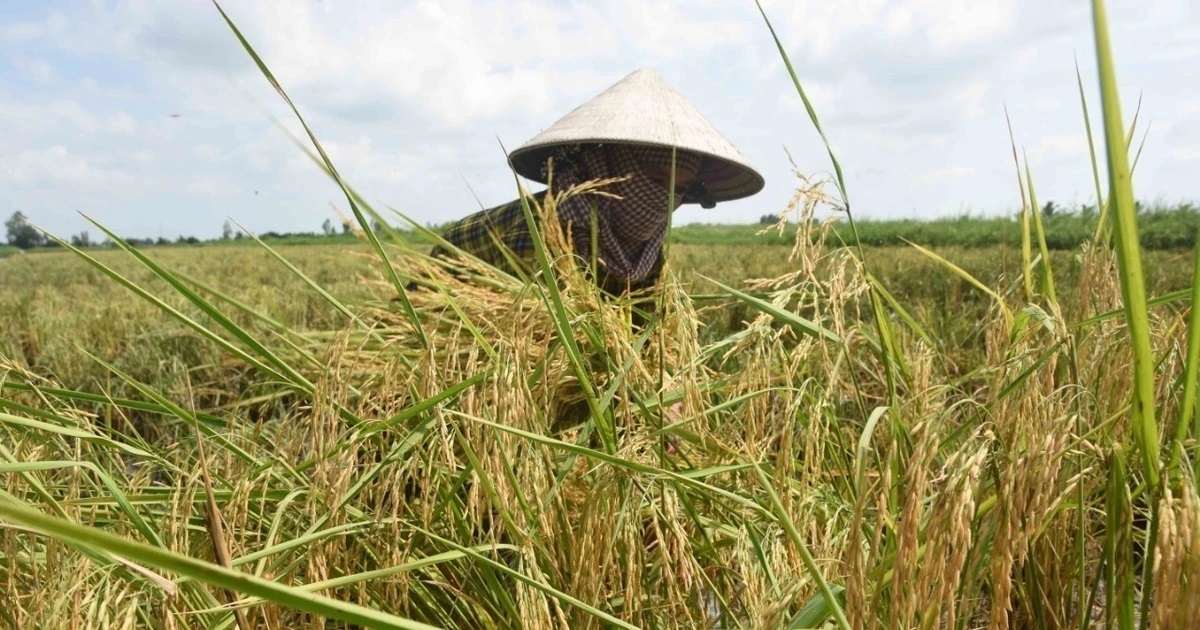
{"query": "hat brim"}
{"type": "Point", "coordinates": [723, 179]}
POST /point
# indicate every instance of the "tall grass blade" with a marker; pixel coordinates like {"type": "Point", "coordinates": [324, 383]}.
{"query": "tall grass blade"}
{"type": "Point", "coordinates": [890, 354]}
{"type": "Point", "coordinates": [281, 366]}
{"type": "Point", "coordinates": [830, 599]}
{"type": "Point", "coordinates": [97, 399]}
{"type": "Point", "coordinates": [562, 322]}
{"type": "Point", "coordinates": [812, 115]}
{"type": "Point", "coordinates": [362, 221]}
{"type": "Point", "coordinates": [178, 411]}
{"type": "Point", "coordinates": [268, 366]}
{"type": "Point", "coordinates": [204, 572]}
{"type": "Point", "coordinates": [893, 357]}
{"type": "Point", "coordinates": [628, 464]}
{"type": "Point", "coordinates": [272, 323]}
{"type": "Point", "coordinates": [546, 588]}
{"type": "Point", "coordinates": [106, 480]}
{"type": "Point", "coordinates": [1133, 289]}
{"type": "Point", "coordinates": [321, 291]}
{"type": "Point", "coordinates": [1118, 544]}
{"type": "Point", "coordinates": [800, 324]}
{"type": "Point", "coordinates": [1166, 298]}
{"type": "Point", "coordinates": [818, 610]}
{"type": "Point", "coordinates": [214, 522]}
{"type": "Point", "coordinates": [1101, 202]}
{"type": "Point", "coordinates": [60, 428]}
{"type": "Point", "coordinates": [899, 309]}
{"type": "Point", "coordinates": [407, 567]}
{"type": "Point", "coordinates": [1047, 270]}
{"type": "Point", "coordinates": [962, 273]}
{"type": "Point", "coordinates": [1191, 374]}
{"type": "Point", "coordinates": [1026, 250]}
{"type": "Point", "coordinates": [864, 450]}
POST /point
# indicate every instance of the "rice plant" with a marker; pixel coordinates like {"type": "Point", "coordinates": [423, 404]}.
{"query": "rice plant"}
{"type": "Point", "coordinates": [450, 446]}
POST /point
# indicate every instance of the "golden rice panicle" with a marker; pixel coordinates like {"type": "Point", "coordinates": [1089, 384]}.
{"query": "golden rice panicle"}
{"type": "Point", "coordinates": [862, 547]}
{"type": "Point", "coordinates": [907, 565]}
{"type": "Point", "coordinates": [1098, 289]}
{"type": "Point", "coordinates": [1028, 463]}
{"type": "Point", "coordinates": [598, 515]}
{"type": "Point", "coordinates": [1177, 557]}
{"type": "Point", "coordinates": [750, 590]}
{"type": "Point", "coordinates": [949, 537]}
{"type": "Point", "coordinates": [670, 551]}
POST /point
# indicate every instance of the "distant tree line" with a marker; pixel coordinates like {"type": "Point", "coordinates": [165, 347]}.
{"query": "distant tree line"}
{"type": "Point", "coordinates": [1160, 226]}
{"type": "Point", "coordinates": [24, 235]}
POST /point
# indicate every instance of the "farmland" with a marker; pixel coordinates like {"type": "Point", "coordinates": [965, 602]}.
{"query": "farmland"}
{"type": "Point", "coordinates": [88, 355]}
{"type": "Point", "coordinates": [54, 306]}
{"type": "Point", "coordinates": [956, 424]}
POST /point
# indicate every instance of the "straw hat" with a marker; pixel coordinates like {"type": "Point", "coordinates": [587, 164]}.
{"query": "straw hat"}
{"type": "Point", "coordinates": [642, 108]}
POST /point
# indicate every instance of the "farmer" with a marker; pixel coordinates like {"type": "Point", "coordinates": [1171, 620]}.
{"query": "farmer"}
{"type": "Point", "coordinates": [627, 131]}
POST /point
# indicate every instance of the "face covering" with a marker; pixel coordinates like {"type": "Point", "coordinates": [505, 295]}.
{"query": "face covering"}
{"type": "Point", "coordinates": [631, 229]}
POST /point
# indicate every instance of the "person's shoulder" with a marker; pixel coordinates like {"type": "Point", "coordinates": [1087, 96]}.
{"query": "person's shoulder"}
{"type": "Point", "coordinates": [538, 196]}
{"type": "Point", "coordinates": [513, 206]}
{"type": "Point", "coordinates": [495, 214]}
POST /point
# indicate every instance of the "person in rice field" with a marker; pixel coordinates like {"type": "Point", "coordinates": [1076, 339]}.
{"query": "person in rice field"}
{"type": "Point", "coordinates": [629, 131]}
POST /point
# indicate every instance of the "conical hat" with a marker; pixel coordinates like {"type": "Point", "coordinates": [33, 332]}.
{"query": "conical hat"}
{"type": "Point", "coordinates": [642, 108]}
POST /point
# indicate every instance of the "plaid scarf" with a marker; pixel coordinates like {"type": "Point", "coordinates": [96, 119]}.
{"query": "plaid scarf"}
{"type": "Point", "coordinates": [630, 229]}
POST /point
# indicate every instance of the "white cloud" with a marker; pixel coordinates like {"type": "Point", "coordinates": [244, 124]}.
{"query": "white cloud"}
{"type": "Point", "coordinates": [143, 158]}
{"type": "Point", "coordinates": [57, 165]}
{"type": "Point", "coordinates": [208, 152]}
{"type": "Point", "coordinates": [819, 27]}
{"type": "Point", "coordinates": [949, 172]}
{"type": "Point", "coordinates": [1179, 53]}
{"type": "Point", "coordinates": [1046, 104]}
{"type": "Point", "coordinates": [823, 95]}
{"type": "Point", "coordinates": [658, 27]}
{"type": "Point", "coordinates": [121, 123]}
{"type": "Point", "coordinates": [62, 115]}
{"type": "Point", "coordinates": [945, 26]}
{"type": "Point", "coordinates": [37, 69]}
{"type": "Point", "coordinates": [361, 160]}
{"type": "Point", "coordinates": [21, 31]}
{"type": "Point", "coordinates": [972, 97]}
{"type": "Point", "coordinates": [1189, 154]}
{"type": "Point", "coordinates": [213, 186]}
{"type": "Point", "coordinates": [1061, 146]}
{"type": "Point", "coordinates": [1023, 57]}
{"type": "Point", "coordinates": [954, 24]}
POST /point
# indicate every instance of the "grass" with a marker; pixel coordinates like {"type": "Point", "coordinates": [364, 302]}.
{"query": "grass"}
{"type": "Point", "coordinates": [282, 436]}
{"type": "Point", "coordinates": [1160, 227]}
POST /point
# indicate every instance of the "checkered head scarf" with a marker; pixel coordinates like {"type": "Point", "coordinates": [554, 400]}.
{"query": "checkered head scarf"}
{"type": "Point", "coordinates": [631, 228]}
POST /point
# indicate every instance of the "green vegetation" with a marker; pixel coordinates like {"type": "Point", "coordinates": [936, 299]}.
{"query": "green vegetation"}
{"type": "Point", "coordinates": [54, 306]}
{"type": "Point", "coordinates": [1159, 228]}
{"type": "Point", "coordinates": [804, 436]}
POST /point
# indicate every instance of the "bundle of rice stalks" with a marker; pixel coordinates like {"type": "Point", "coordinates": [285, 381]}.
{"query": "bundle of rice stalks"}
{"type": "Point", "coordinates": [535, 411]}
{"type": "Point", "coordinates": [575, 338]}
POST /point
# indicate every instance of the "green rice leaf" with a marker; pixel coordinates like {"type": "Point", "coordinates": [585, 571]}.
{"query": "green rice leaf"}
{"type": "Point", "coordinates": [798, 323]}
{"type": "Point", "coordinates": [1133, 290]}
{"type": "Point", "coordinates": [208, 573]}
{"type": "Point", "coordinates": [362, 221]}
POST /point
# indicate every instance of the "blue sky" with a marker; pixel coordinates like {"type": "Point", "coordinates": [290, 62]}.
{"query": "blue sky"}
{"type": "Point", "coordinates": [411, 99]}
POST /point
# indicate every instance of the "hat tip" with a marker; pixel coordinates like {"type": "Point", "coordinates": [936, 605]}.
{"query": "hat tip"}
{"type": "Point", "coordinates": [642, 71]}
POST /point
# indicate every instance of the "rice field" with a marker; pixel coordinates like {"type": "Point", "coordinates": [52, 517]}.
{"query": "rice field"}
{"type": "Point", "coordinates": [57, 309]}
{"type": "Point", "coordinates": [785, 436]}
